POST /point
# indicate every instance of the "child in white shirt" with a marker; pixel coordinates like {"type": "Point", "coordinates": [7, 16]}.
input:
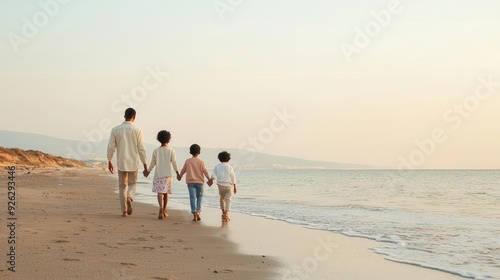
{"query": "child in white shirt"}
{"type": "Point", "coordinates": [226, 181]}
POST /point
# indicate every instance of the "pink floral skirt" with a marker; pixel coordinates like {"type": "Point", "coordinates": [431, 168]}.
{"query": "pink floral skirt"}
{"type": "Point", "coordinates": [162, 185]}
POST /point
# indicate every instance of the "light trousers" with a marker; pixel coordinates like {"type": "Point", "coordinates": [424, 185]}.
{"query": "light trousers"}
{"type": "Point", "coordinates": [126, 179]}
{"type": "Point", "coordinates": [225, 197]}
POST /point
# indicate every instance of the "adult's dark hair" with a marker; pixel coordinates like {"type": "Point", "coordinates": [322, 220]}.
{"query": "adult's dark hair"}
{"type": "Point", "coordinates": [194, 149]}
{"type": "Point", "coordinates": [224, 156]}
{"type": "Point", "coordinates": [129, 113]}
{"type": "Point", "coordinates": [163, 136]}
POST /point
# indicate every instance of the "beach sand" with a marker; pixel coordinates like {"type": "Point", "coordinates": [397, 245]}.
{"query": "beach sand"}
{"type": "Point", "coordinates": [69, 227]}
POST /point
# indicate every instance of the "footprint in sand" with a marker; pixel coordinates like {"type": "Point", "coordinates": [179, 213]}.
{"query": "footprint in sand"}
{"type": "Point", "coordinates": [71, 260]}
{"type": "Point", "coordinates": [223, 271]}
{"type": "Point", "coordinates": [128, 264]}
{"type": "Point", "coordinates": [150, 248]}
{"type": "Point", "coordinates": [138, 239]}
{"type": "Point", "coordinates": [168, 278]}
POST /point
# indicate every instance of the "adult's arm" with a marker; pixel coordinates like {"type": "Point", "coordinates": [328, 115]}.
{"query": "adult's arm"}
{"type": "Point", "coordinates": [141, 150]}
{"type": "Point", "coordinates": [111, 150]}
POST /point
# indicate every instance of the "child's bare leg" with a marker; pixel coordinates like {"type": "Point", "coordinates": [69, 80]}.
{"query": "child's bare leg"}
{"type": "Point", "coordinates": [160, 199]}
{"type": "Point", "coordinates": [160, 202]}
{"type": "Point", "coordinates": [227, 215]}
{"type": "Point", "coordinates": [165, 202]}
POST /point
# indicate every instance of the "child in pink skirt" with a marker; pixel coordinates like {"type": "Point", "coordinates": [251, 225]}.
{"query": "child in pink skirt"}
{"type": "Point", "coordinates": [164, 160]}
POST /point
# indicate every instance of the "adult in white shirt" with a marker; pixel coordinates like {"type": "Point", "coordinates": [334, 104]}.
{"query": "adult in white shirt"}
{"type": "Point", "coordinates": [128, 142]}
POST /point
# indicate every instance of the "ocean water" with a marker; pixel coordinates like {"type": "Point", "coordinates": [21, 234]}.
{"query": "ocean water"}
{"type": "Point", "coordinates": [442, 219]}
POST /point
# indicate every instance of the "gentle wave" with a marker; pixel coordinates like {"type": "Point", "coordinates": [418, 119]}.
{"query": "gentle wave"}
{"type": "Point", "coordinates": [443, 220]}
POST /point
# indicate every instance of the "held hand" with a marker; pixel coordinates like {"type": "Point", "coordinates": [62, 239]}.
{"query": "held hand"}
{"type": "Point", "coordinates": [210, 182]}
{"type": "Point", "coordinates": [145, 173]}
{"type": "Point", "coordinates": [110, 167]}
{"type": "Point", "coordinates": [179, 177]}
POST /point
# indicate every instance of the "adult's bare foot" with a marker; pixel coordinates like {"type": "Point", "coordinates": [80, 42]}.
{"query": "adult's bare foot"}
{"type": "Point", "coordinates": [129, 206]}
{"type": "Point", "coordinates": [125, 214]}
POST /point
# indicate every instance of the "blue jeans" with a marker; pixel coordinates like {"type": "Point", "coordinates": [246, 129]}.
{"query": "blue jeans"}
{"type": "Point", "coordinates": [195, 192]}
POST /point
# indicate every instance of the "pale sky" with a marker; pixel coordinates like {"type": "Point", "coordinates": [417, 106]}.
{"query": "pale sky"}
{"type": "Point", "coordinates": [361, 81]}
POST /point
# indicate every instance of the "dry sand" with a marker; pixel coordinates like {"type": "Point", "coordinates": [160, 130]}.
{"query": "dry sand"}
{"type": "Point", "coordinates": [69, 227]}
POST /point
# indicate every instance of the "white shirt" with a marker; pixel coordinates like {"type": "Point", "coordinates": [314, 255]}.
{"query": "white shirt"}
{"type": "Point", "coordinates": [128, 142]}
{"type": "Point", "coordinates": [224, 174]}
{"type": "Point", "coordinates": [164, 160]}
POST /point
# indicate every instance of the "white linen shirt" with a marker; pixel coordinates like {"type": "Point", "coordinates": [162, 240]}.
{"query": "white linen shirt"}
{"type": "Point", "coordinates": [224, 174]}
{"type": "Point", "coordinates": [164, 160]}
{"type": "Point", "coordinates": [128, 142]}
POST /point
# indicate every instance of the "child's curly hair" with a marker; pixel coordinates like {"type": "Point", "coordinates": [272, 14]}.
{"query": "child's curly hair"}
{"type": "Point", "coordinates": [164, 137]}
